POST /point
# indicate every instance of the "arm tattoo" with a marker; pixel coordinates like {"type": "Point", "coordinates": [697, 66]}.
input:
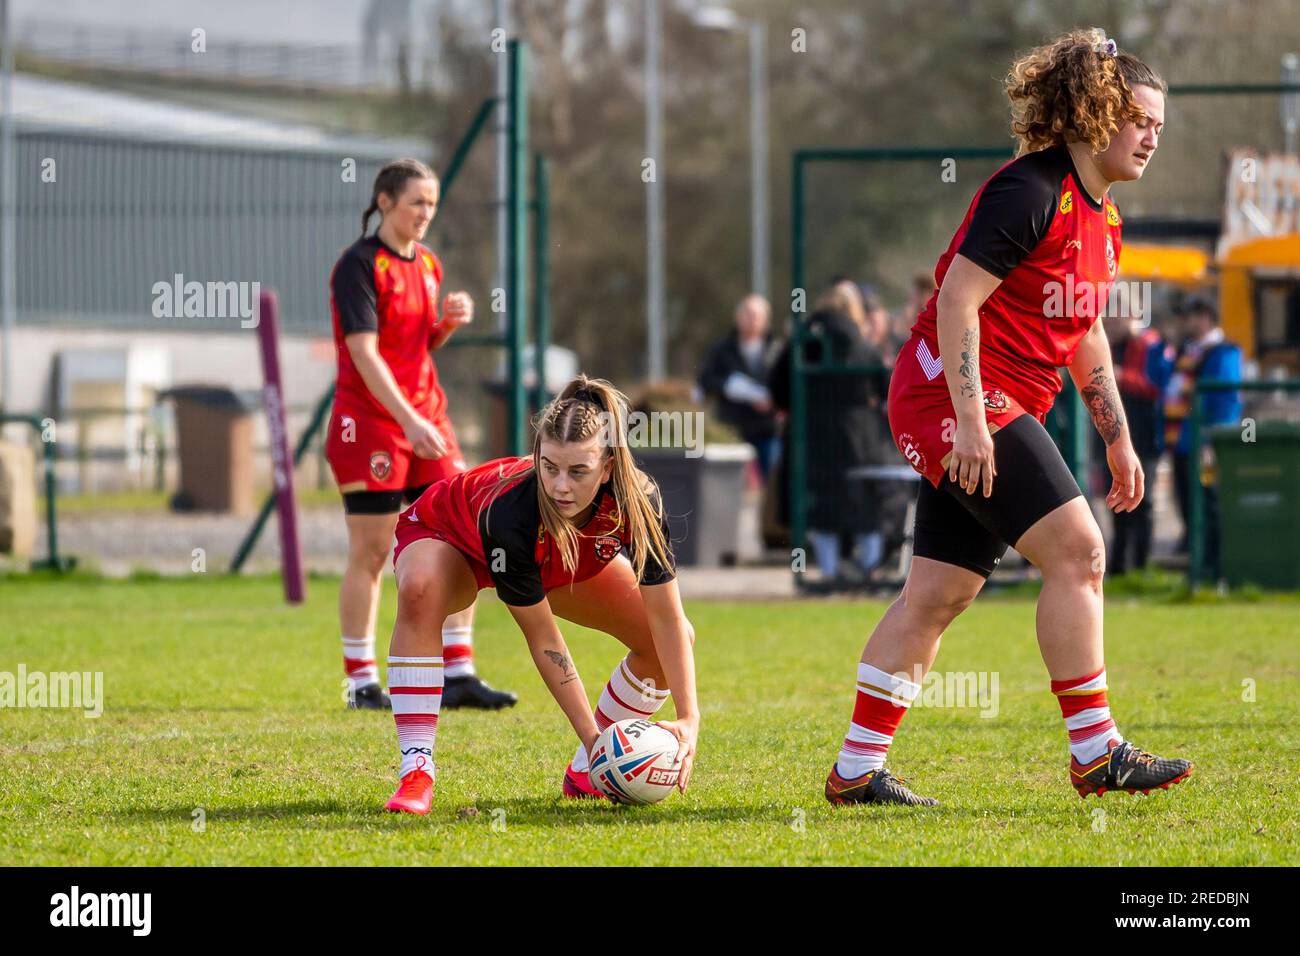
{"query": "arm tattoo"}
{"type": "Point", "coordinates": [1102, 399]}
{"type": "Point", "coordinates": [969, 368]}
{"type": "Point", "coordinates": [562, 662]}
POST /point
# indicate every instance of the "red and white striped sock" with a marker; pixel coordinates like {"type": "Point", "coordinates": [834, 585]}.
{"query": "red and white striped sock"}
{"type": "Point", "coordinates": [359, 661]}
{"type": "Point", "coordinates": [415, 686]}
{"type": "Point", "coordinates": [625, 697]}
{"type": "Point", "coordinates": [882, 701]}
{"type": "Point", "coordinates": [1087, 716]}
{"type": "Point", "coordinates": [458, 650]}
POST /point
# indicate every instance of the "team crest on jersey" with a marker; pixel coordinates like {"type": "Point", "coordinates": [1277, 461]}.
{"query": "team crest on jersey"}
{"type": "Point", "coordinates": [1112, 215]}
{"type": "Point", "coordinates": [994, 400]}
{"type": "Point", "coordinates": [381, 464]}
{"type": "Point", "coordinates": [381, 263]}
{"type": "Point", "coordinates": [1067, 201]}
{"type": "Point", "coordinates": [431, 285]}
{"type": "Point", "coordinates": [1110, 256]}
{"type": "Point", "coordinates": [912, 451]}
{"type": "Point", "coordinates": [607, 547]}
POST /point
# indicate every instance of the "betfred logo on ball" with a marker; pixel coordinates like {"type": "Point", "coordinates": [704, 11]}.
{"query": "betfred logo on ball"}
{"type": "Point", "coordinates": [635, 762]}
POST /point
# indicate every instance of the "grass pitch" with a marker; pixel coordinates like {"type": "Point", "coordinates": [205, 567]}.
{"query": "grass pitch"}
{"type": "Point", "coordinates": [224, 740]}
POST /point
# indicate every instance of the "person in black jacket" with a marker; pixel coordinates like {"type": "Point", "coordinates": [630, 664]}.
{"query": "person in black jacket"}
{"type": "Point", "coordinates": [843, 428]}
{"type": "Point", "coordinates": [735, 376]}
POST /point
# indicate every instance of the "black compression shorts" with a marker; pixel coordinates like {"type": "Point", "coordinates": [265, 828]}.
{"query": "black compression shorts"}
{"type": "Point", "coordinates": [380, 502]}
{"type": "Point", "coordinates": [974, 532]}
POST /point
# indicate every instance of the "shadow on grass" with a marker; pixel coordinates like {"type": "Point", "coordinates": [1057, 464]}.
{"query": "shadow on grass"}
{"type": "Point", "coordinates": [339, 814]}
{"type": "Point", "coordinates": [557, 811]}
{"type": "Point", "coordinates": [319, 813]}
{"type": "Point", "coordinates": [554, 812]}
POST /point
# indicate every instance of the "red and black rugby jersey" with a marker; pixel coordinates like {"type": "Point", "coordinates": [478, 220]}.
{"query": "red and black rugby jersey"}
{"type": "Point", "coordinates": [509, 538]}
{"type": "Point", "coordinates": [374, 289]}
{"type": "Point", "coordinates": [1056, 250]}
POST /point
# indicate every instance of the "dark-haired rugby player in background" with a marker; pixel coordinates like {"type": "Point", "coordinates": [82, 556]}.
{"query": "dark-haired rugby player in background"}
{"type": "Point", "coordinates": [389, 436]}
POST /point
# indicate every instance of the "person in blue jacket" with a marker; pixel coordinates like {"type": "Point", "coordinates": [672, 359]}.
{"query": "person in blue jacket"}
{"type": "Point", "coordinates": [1206, 355]}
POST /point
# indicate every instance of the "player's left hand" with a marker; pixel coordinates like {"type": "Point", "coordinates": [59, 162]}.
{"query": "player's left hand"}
{"type": "Point", "coordinates": [1129, 485]}
{"type": "Point", "coordinates": [686, 730]}
{"type": "Point", "coordinates": [457, 309]}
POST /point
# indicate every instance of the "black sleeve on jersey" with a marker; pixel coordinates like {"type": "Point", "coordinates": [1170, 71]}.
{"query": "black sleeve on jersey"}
{"type": "Point", "coordinates": [1014, 212]}
{"type": "Point", "coordinates": [353, 286]}
{"type": "Point", "coordinates": [508, 529]}
{"type": "Point", "coordinates": [654, 572]}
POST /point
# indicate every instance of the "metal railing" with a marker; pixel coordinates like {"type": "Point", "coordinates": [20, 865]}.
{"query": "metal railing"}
{"type": "Point", "coordinates": [53, 559]}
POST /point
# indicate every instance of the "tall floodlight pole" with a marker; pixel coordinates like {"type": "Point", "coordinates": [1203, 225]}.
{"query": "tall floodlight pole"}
{"type": "Point", "coordinates": [758, 198]}
{"type": "Point", "coordinates": [8, 182]}
{"type": "Point", "coordinates": [657, 364]}
{"type": "Point", "coordinates": [725, 20]}
{"type": "Point", "coordinates": [500, 21]}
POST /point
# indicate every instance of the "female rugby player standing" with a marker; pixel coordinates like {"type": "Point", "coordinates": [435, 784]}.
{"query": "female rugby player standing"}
{"type": "Point", "coordinates": [1020, 289]}
{"type": "Point", "coordinates": [389, 437]}
{"type": "Point", "coordinates": [546, 531]}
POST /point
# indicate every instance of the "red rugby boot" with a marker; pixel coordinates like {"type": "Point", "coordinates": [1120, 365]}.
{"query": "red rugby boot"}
{"type": "Point", "coordinates": [578, 786]}
{"type": "Point", "coordinates": [414, 794]}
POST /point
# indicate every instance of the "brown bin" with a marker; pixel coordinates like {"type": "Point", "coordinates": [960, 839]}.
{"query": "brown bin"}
{"type": "Point", "coordinates": [214, 441]}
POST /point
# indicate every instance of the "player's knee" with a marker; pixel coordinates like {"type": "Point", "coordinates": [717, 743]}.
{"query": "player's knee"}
{"type": "Point", "coordinates": [368, 552]}
{"type": "Point", "coordinates": [1079, 559]}
{"type": "Point", "coordinates": [371, 557]}
{"type": "Point", "coordinates": [416, 591]}
{"type": "Point", "coordinates": [937, 605]}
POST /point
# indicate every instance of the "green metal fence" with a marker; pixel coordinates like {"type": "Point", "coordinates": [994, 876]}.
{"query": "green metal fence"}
{"type": "Point", "coordinates": [52, 559]}
{"type": "Point", "coordinates": [1071, 437]}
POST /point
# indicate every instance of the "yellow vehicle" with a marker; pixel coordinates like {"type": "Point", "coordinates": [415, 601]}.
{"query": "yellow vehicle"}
{"type": "Point", "coordinates": [1259, 301]}
{"type": "Point", "coordinates": [1184, 266]}
{"type": "Point", "coordinates": [1258, 286]}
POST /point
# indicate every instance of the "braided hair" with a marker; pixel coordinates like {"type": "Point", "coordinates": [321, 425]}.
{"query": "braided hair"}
{"type": "Point", "coordinates": [587, 408]}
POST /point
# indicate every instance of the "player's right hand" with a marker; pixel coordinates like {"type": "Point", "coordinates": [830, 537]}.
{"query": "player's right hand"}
{"type": "Point", "coordinates": [687, 732]}
{"type": "Point", "coordinates": [426, 441]}
{"type": "Point", "coordinates": [971, 462]}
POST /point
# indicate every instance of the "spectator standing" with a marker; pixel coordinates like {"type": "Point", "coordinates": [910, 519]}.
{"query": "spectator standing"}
{"type": "Point", "coordinates": [1141, 372]}
{"type": "Point", "coordinates": [1206, 355]}
{"type": "Point", "coordinates": [843, 429]}
{"type": "Point", "coordinates": [735, 374]}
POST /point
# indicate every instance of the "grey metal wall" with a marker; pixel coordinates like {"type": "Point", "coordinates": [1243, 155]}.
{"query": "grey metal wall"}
{"type": "Point", "coordinates": [125, 213]}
